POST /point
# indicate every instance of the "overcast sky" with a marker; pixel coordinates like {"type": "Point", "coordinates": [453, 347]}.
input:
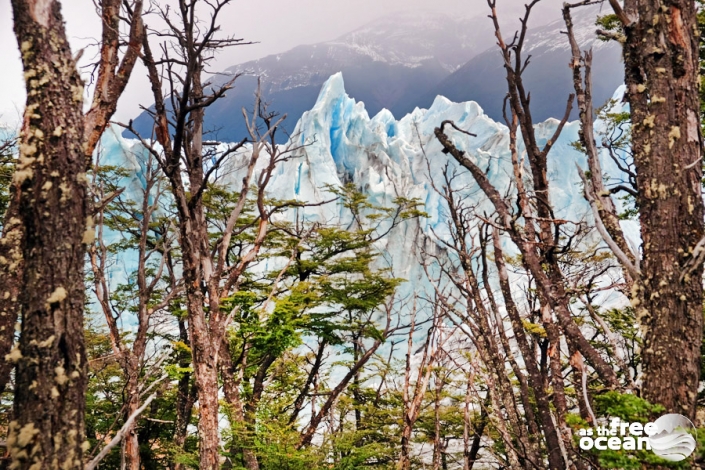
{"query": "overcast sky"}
{"type": "Point", "coordinates": [277, 26]}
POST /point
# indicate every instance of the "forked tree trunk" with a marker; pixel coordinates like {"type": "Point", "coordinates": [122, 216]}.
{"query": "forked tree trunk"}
{"type": "Point", "coordinates": [50, 187]}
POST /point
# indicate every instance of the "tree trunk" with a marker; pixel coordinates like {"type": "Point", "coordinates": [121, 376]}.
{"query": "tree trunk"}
{"type": "Point", "coordinates": [437, 435]}
{"type": "Point", "coordinates": [555, 459]}
{"type": "Point", "coordinates": [470, 452]}
{"type": "Point", "coordinates": [48, 430]}
{"type": "Point", "coordinates": [231, 393]}
{"type": "Point", "coordinates": [185, 396]}
{"type": "Point", "coordinates": [193, 234]}
{"type": "Point", "coordinates": [130, 444]}
{"type": "Point", "coordinates": [232, 376]}
{"type": "Point", "coordinates": [661, 73]}
{"type": "Point", "coordinates": [307, 434]}
{"type": "Point", "coordinates": [113, 75]}
{"type": "Point", "coordinates": [205, 370]}
{"type": "Point", "coordinates": [250, 412]}
{"type": "Point", "coordinates": [208, 442]}
{"type": "Point", "coordinates": [301, 398]}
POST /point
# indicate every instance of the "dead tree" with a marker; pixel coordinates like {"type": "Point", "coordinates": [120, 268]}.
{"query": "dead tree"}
{"type": "Point", "coordinates": [534, 203]}
{"type": "Point", "coordinates": [661, 54]}
{"type": "Point", "coordinates": [528, 421]}
{"type": "Point", "coordinates": [154, 239]}
{"type": "Point", "coordinates": [412, 402]}
{"type": "Point", "coordinates": [483, 325]}
{"type": "Point", "coordinates": [48, 223]}
{"type": "Point", "coordinates": [596, 192]}
{"type": "Point", "coordinates": [538, 238]}
{"type": "Point", "coordinates": [210, 272]}
{"type": "Point", "coordinates": [542, 240]}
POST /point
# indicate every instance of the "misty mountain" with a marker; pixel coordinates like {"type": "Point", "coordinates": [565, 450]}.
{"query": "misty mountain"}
{"type": "Point", "coordinates": [404, 61]}
{"type": "Point", "coordinates": [548, 77]}
{"type": "Point", "coordinates": [387, 64]}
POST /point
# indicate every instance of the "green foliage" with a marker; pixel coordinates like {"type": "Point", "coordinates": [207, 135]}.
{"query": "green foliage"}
{"type": "Point", "coordinates": [577, 146]}
{"type": "Point", "coordinates": [616, 136]}
{"type": "Point", "coordinates": [276, 449]}
{"type": "Point", "coordinates": [327, 292]}
{"type": "Point", "coordinates": [626, 406]}
{"type": "Point", "coordinates": [623, 320]}
{"type": "Point", "coordinates": [608, 23]}
{"type": "Point", "coordinates": [534, 328]}
{"type": "Point", "coordinates": [104, 394]}
{"type": "Point", "coordinates": [317, 284]}
{"type": "Point", "coordinates": [701, 394]}
{"type": "Point", "coordinates": [634, 460]}
{"type": "Point", "coordinates": [333, 282]}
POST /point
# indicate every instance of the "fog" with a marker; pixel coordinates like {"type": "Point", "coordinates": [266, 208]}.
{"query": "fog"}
{"type": "Point", "coordinates": [275, 26]}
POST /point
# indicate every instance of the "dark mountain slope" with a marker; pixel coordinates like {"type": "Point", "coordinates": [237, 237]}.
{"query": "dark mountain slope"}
{"type": "Point", "coordinates": [386, 64]}
{"type": "Point", "coordinates": [548, 77]}
{"type": "Point", "coordinates": [404, 61]}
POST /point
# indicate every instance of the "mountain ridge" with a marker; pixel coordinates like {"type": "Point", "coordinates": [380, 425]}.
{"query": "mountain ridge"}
{"type": "Point", "coordinates": [403, 62]}
{"type": "Point", "coordinates": [548, 76]}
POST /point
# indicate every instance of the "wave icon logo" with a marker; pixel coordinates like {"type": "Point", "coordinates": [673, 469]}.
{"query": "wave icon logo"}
{"type": "Point", "coordinates": [673, 439]}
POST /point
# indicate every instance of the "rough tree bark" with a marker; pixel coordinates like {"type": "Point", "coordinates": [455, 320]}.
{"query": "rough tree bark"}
{"type": "Point", "coordinates": [11, 248]}
{"type": "Point", "coordinates": [113, 75]}
{"type": "Point", "coordinates": [191, 234]}
{"type": "Point", "coordinates": [209, 272]}
{"type": "Point", "coordinates": [47, 226]}
{"type": "Point", "coordinates": [50, 192]}
{"type": "Point", "coordinates": [233, 376]}
{"type": "Point", "coordinates": [661, 73]}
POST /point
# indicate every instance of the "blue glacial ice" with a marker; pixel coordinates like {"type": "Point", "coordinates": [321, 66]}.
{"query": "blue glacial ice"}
{"type": "Point", "coordinates": [386, 158]}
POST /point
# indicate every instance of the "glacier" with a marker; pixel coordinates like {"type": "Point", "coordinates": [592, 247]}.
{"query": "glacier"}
{"type": "Point", "coordinates": [338, 143]}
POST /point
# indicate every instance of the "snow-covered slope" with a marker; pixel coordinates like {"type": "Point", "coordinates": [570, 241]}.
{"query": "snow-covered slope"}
{"type": "Point", "coordinates": [548, 76]}
{"type": "Point", "coordinates": [407, 39]}
{"type": "Point", "coordinates": [388, 63]}
{"type": "Point", "coordinates": [404, 60]}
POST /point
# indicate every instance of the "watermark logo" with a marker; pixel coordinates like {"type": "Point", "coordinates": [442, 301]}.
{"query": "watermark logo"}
{"type": "Point", "coordinates": [674, 439]}
{"type": "Point", "coordinates": [670, 437]}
